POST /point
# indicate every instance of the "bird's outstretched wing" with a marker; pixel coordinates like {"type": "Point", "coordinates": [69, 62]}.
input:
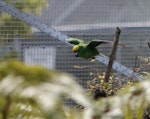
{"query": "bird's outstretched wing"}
{"type": "Point", "coordinates": [95, 43]}
{"type": "Point", "coordinates": [75, 41]}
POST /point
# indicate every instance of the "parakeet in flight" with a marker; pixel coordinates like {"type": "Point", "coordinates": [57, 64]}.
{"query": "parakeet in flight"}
{"type": "Point", "coordinates": [86, 50]}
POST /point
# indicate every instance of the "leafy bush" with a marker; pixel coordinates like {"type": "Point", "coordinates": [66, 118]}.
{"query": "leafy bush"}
{"type": "Point", "coordinates": [34, 92]}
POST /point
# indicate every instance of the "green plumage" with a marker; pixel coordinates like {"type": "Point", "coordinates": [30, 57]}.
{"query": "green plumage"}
{"type": "Point", "coordinates": [87, 52]}
{"type": "Point", "coordinates": [84, 50]}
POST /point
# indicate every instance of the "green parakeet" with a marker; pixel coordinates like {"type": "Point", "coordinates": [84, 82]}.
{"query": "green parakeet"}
{"type": "Point", "coordinates": [84, 50]}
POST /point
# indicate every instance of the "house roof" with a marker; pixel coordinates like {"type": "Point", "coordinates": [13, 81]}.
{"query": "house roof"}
{"type": "Point", "coordinates": [87, 14]}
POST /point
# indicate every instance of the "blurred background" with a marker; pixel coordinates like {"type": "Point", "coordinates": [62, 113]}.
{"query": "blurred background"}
{"type": "Point", "coordinates": [84, 19]}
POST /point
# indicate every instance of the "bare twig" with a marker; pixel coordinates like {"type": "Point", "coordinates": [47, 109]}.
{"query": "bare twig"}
{"type": "Point", "coordinates": [113, 54]}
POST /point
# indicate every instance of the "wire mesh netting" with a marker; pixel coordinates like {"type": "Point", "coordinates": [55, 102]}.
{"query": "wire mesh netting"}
{"type": "Point", "coordinates": [81, 19]}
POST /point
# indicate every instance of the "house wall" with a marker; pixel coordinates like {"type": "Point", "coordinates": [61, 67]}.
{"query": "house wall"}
{"type": "Point", "coordinates": [135, 39]}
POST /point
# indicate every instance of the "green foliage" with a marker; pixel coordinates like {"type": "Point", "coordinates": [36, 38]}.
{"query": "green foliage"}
{"type": "Point", "coordinates": [126, 98]}
{"type": "Point", "coordinates": [144, 65]}
{"type": "Point", "coordinates": [27, 72]}
{"type": "Point", "coordinates": [34, 92]}
{"type": "Point", "coordinates": [98, 82]}
{"type": "Point", "coordinates": [12, 55]}
{"type": "Point", "coordinates": [27, 6]}
{"type": "Point", "coordinates": [10, 26]}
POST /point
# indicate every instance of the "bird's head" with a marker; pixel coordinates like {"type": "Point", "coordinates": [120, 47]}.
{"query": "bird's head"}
{"type": "Point", "coordinates": [75, 48]}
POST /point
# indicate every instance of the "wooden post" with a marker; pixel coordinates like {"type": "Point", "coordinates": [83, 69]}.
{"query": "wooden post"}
{"type": "Point", "coordinates": [113, 54]}
{"type": "Point", "coordinates": [148, 44]}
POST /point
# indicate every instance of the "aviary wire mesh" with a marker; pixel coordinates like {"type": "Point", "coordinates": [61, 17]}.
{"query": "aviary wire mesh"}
{"type": "Point", "coordinates": [84, 19]}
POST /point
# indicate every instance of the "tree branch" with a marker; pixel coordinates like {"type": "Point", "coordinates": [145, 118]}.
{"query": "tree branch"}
{"type": "Point", "coordinates": [113, 54]}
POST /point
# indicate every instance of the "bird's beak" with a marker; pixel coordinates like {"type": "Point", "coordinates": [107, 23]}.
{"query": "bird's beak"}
{"type": "Point", "coordinates": [75, 48]}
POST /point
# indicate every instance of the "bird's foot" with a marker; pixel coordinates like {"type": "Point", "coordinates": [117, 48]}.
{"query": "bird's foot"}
{"type": "Point", "coordinates": [76, 55]}
{"type": "Point", "coordinates": [93, 59]}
